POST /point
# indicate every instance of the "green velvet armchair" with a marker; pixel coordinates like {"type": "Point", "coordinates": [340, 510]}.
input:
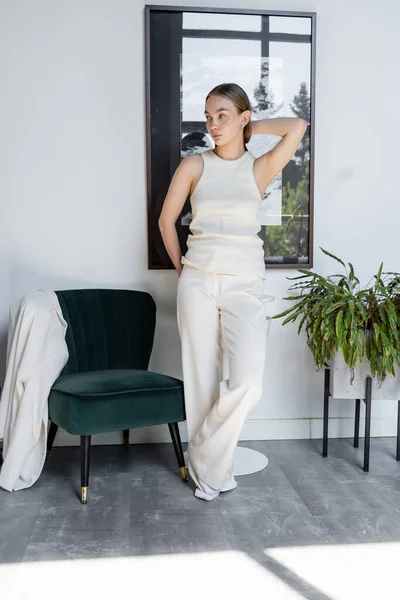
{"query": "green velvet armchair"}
{"type": "Point", "coordinates": [106, 385]}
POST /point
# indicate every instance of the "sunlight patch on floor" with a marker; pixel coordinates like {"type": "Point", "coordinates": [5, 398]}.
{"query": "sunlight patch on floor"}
{"type": "Point", "coordinates": [345, 571]}
{"type": "Point", "coordinates": [195, 576]}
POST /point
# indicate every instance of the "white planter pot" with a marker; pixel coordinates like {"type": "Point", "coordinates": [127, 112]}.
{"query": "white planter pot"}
{"type": "Point", "coordinates": [340, 377]}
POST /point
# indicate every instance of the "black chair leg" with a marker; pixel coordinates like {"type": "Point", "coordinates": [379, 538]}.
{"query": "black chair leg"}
{"type": "Point", "coordinates": [50, 437]}
{"type": "Point", "coordinates": [326, 412]}
{"type": "Point", "coordinates": [357, 424]}
{"type": "Point", "coordinates": [398, 432]}
{"type": "Point", "coordinates": [85, 463]}
{"type": "Point", "coordinates": [176, 440]}
{"type": "Point", "coordinates": [125, 433]}
{"type": "Point", "coordinates": [368, 402]}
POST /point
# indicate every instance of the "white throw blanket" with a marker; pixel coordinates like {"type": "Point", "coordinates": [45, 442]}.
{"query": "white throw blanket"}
{"type": "Point", "coordinates": [36, 354]}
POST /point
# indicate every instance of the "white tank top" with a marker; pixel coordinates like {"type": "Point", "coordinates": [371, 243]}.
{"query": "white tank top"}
{"type": "Point", "coordinates": [225, 205]}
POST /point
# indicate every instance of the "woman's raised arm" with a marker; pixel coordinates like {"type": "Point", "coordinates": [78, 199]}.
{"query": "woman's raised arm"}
{"type": "Point", "coordinates": [268, 165]}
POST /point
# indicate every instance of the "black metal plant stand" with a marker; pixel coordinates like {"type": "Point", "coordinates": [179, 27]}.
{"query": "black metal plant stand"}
{"type": "Point", "coordinates": [368, 401]}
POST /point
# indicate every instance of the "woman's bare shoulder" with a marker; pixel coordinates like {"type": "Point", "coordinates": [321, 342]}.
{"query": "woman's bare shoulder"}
{"type": "Point", "coordinates": [193, 165]}
{"type": "Point", "coordinates": [193, 160]}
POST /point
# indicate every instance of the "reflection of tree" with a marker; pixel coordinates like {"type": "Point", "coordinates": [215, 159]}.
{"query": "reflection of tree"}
{"type": "Point", "coordinates": [301, 108]}
{"type": "Point", "coordinates": [264, 96]}
{"type": "Point", "coordinates": [301, 103]}
{"type": "Point", "coordinates": [265, 108]}
{"type": "Point", "coordinates": [291, 238]}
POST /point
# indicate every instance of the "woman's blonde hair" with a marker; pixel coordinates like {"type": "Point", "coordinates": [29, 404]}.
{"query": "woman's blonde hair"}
{"type": "Point", "coordinates": [237, 95]}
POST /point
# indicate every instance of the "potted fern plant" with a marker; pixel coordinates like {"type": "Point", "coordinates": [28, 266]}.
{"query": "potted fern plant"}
{"type": "Point", "coordinates": [353, 330]}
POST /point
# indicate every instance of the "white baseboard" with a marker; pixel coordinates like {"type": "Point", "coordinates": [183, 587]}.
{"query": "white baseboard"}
{"type": "Point", "coordinates": [253, 429]}
{"type": "Point", "coordinates": [344, 427]}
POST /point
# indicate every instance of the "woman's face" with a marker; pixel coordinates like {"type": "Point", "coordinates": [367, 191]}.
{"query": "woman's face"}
{"type": "Point", "coordinates": [223, 121]}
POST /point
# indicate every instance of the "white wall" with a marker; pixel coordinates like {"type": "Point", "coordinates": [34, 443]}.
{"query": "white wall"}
{"type": "Point", "coordinates": [72, 176]}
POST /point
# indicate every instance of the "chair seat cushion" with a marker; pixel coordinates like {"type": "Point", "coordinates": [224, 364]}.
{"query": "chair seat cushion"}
{"type": "Point", "coordinates": [115, 399]}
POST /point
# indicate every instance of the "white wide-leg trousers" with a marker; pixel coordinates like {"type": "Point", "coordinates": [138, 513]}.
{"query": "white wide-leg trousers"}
{"type": "Point", "coordinates": [213, 311]}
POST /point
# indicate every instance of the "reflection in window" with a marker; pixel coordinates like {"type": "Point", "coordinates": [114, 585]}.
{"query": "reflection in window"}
{"type": "Point", "coordinates": [193, 20]}
{"type": "Point", "coordinates": [270, 57]}
{"type": "Point", "coordinates": [207, 64]}
{"type": "Point", "coordinates": [260, 77]}
{"type": "Point", "coordinates": [293, 25]}
{"type": "Point", "coordinates": [291, 238]}
{"type": "Point", "coordinates": [296, 65]}
{"type": "Point", "coordinates": [277, 85]}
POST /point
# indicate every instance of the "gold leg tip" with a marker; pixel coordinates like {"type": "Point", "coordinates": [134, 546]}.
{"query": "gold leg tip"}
{"type": "Point", "coordinates": [84, 495]}
{"type": "Point", "coordinates": [184, 473]}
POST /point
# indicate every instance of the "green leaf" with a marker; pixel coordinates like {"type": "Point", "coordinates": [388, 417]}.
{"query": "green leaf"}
{"type": "Point", "coordinates": [361, 310]}
{"type": "Point", "coordinates": [382, 313]}
{"type": "Point", "coordinates": [368, 346]}
{"type": "Point", "coordinates": [345, 351]}
{"type": "Point", "coordinates": [378, 277]}
{"type": "Point", "coordinates": [333, 256]}
{"type": "Point", "coordinates": [293, 317]}
{"type": "Point", "coordinates": [305, 271]}
{"type": "Point", "coordinates": [282, 314]}
{"type": "Point", "coordinates": [377, 330]}
{"type": "Point", "coordinates": [348, 316]}
{"type": "Point", "coordinates": [394, 322]}
{"type": "Point", "coordinates": [386, 344]}
{"type": "Point", "coordinates": [339, 327]}
{"type": "Point", "coordinates": [360, 345]}
{"type": "Point", "coordinates": [304, 317]}
{"type": "Point", "coordinates": [326, 304]}
{"type": "Point", "coordinates": [333, 307]}
{"type": "Point", "coordinates": [317, 324]}
{"type": "Point", "coordinates": [352, 277]}
{"type": "Point", "coordinates": [299, 277]}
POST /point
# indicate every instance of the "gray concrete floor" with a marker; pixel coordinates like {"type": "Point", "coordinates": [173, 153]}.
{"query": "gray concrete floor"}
{"type": "Point", "coordinates": [138, 505]}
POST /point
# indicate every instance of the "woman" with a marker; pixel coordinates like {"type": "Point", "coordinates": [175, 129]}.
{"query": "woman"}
{"type": "Point", "coordinates": [221, 278]}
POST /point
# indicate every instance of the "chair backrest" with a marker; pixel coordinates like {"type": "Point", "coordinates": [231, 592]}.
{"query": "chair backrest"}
{"type": "Point", "coordinates": [107, 329]}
